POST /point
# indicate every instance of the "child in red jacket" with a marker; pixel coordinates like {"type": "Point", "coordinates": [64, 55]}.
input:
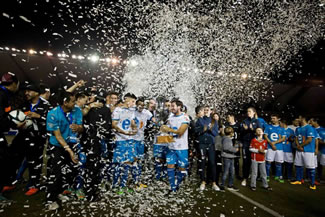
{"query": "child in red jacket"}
{"type": "Point", "coordinates": [258, 148]}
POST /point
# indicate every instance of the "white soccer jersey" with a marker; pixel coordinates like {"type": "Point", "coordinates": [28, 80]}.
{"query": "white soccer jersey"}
{"type": "Point", "coordinates": [141, 119]}
{"type": "Point", "coordinates": [175, 122]}
{"type": "Point", "coordinates": [124, 116]}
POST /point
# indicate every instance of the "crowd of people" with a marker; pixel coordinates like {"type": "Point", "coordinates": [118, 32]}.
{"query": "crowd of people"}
{"type": "Point", "coordinates": [92, 140]}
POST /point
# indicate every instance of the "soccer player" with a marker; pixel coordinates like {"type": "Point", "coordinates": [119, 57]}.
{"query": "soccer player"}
{"type": "Point", "coordinates": [160, 148]}
{"type": "Point", "coordinates": [123, 121]}
{"type": "Point", "coordinates": [287, 148]}
{"type": "Point", "coordinates": [274, 136]}
{"type": "Point", "coordinates": [306, 144]}
{"type": "Point", "coordinates": [142, 116]}
{"type": "Point", "coordinates": [178, 150]}
{"type": "Point", "coordinates": [258, 149]}
{"type": "Point", "coordinates": [62, 122]}
{"type": "Point", "coordinates": [111, 100]}
{"type": "Point", "coordinates": [321, 142]}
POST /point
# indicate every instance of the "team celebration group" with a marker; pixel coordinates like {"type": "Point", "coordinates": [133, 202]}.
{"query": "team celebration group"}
{"type": "Point", "coordinates": [93, 142]}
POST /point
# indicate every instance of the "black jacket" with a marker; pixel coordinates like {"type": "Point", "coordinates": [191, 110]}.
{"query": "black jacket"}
{"type": "Point", "coordinates": [41, 108]}
{"type": "Point", "coordinates": [5, 108]}
{"type": "Point", "coordinates": [98, 126]}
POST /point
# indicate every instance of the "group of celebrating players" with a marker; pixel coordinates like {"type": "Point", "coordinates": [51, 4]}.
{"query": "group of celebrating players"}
{"type": "Point", "coordinates": [94, 140]}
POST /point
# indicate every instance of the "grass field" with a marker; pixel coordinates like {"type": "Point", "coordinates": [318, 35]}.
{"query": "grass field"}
{"type": "Point", "coordinates": [285, 199]}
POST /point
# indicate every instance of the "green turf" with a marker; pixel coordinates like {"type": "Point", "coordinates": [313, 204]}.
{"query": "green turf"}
{"type": "Point", "coordinates": [286, 199]}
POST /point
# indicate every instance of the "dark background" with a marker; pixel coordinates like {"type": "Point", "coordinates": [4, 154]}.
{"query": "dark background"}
{"type": "Point", "coordinates": [298, 89]}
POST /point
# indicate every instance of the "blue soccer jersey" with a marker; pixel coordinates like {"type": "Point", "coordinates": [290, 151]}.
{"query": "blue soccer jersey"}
{"type": "Point", "coordinates": [58, 120]}
{"type": "Point", "coordinates": [287, 145]}
{"type": "Point", "coordinates": [321, 133]}
{"type": "Point", "coordinates": [273, 133]}
{"type": "Point", "coordinates": [303, 133]}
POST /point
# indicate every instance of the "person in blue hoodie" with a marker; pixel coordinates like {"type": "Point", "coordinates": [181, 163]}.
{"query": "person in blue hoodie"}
{"type": "Point", "coordinates": [207, 130]}
{"type": "Point", "coordinates": [248, 128]}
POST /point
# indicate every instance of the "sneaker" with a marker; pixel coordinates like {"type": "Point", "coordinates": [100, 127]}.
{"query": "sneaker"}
{"type": "Point", "coordinates": [143, 185]}
{"type": "Point", "coordinates": [268, 179]}
{"type": "Point", "coordinates": [296, 183]}
{"type": "Point", "coordinates": [276, 178]}
{"type": "Point", "coordinates": [215, 187]}
{"type": "Point", "coordinates": [281, 180]}
{"type": "Point", "coordinates": [243, 183]}
{"type": "Point", "coordinates": [52, 206]}
{"type": "Point", "coordinates": [232, 188]}
{"type": "Point", "coordinates": [268, 188]}
{"type": "Point", "coordinates": [140, 187]}
{"type": "Point", "coordinates": [31, 191]}
{"type": "Point", "coordinates": [253, 188]}
{"type": "Point", "coordinates": [302, 181]}
{"type": "Point", "coordinates": [68, 191]}
{"type": "Point", "coordinates": [316, 183]}
{"type": "Point", "coordinates": [8, 188]}
{"type": "Point", "coordinates": [80, 194]}
{"type": "Point", "coordinates": [171, 193]}
{"type": "Point", "coordinates": [222, 188]}
{"type": "Point", "coordinates": [63, 198]}
{"type": "Point", "coordinates": [312, 187]}
{"type": "Point", "coordinates": [123, 190]}
{"type": "Point", "coordinates": [202, 186]}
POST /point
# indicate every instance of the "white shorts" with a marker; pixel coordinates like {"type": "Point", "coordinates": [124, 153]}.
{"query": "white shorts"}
{"type": "Point", "coordinates": [276, 156]}
{"type": "Point", "coordinates": [307, 159]}
{"type": "Point", "coordinates": [288, 157]}
{"type": "Point", "coordinates": [322, 160]}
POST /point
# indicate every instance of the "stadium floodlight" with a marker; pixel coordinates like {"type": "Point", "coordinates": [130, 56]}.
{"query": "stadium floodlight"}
{"type": "Point", "coordinates": [74, 56]}
{"type": "Point", "coordinates": [49, 54]}
{"type": "Point", "coordinates": [114, 61]}
{"type": "Point", "coordinates": [13, 49]}
{"type": "Point", "coordinates": [244, 76]}
{"type": "Point", "coordinates": [31, 51]}
{"type": "Point", "coordinates": [59, 55]}
{"type": "Point", "coordinates": [7, 48]}
{"type": "Point", "coordinates": [94, 58]}
{"type": "Point", "coordinates": [81, 57]}
{"type": "Point", "coordinates": [108, 60]}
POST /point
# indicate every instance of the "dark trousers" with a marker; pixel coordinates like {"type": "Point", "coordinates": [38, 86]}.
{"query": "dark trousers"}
{"type": "Point", "coordinates": [207, 151]}
{"type": "Point", "coordinates": [218, 159]}
{"type": "Point", "coordinates": [61, 172]}
{"type": "Point", "coordinates": [246, 160]}
{"type": "Point", "coordinates": [93, 179]}
{"type": "Point", "coordinates": [236, 165]}
{"type": "Point", "coordinates": [31, 147]}
{"type": "Point", "coordinates": [4, 162]}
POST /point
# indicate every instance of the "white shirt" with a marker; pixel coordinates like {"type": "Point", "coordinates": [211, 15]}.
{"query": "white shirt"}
{"type": "Point", "coordinates": [175, 122]}
{"type": "Point", "coordinates": [124, 116]}
{"type": "Point", "coordinates": [141, 119]}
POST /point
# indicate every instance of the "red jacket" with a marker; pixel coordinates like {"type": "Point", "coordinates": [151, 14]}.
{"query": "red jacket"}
{"type": "Point", "coordinates": [255, 147]}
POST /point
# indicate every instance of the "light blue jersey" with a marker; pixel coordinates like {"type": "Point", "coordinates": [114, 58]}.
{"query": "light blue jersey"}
{"type": "Point", "coordinates": [58, 120]}
{"type": "Point", "coordinates": [303, 133]}
{"type": "Point", "coordinates": [287, 145]}
{"type": "Point", "coordinates": [273, 133]}
{"type": "Point", "coordinates": [321, 133]}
